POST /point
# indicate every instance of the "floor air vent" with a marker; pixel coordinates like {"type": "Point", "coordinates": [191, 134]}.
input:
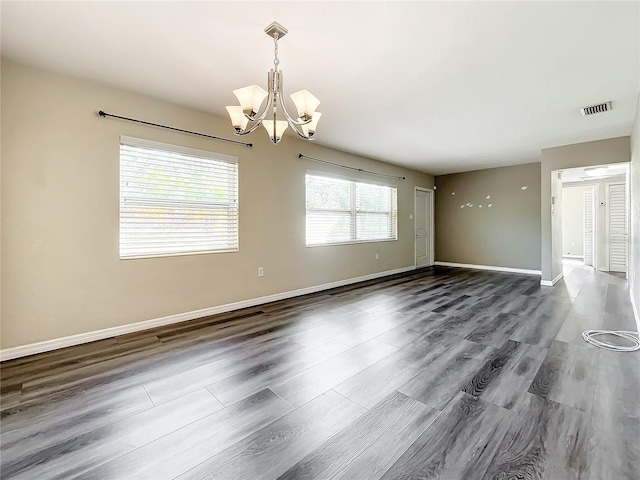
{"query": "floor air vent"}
{"type": "Point", "coordinates": [593, 109]}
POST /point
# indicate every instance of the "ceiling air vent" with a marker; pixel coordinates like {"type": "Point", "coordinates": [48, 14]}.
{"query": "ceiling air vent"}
{"type": "Point", "coordinates": [593, 109]}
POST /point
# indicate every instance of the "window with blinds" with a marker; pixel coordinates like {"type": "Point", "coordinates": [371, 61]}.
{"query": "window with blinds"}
{"type": "Point", "coordinates": [176, 200]}
{"type": "Point", "coordinates": [346, 211]}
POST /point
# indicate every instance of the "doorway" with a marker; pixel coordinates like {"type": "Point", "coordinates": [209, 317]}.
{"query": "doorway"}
{"type": "Point", "coordinates": [423, 208]}
{"type": "Point", "coordinates": [596, 227]}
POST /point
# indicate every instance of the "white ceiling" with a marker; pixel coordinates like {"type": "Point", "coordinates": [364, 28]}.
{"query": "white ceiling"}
{"type": "Point", "coordinates": [437, 86]}
{"type": "Point", "coordinates": [571, 175]}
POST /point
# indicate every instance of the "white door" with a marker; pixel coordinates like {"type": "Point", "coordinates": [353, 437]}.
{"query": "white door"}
{"type": "Point", "coordinates": [424, 228]}
{"type": "Point", "coordinates": [617, 226]}
{"type": "Point", "coordinates": [589, 227]}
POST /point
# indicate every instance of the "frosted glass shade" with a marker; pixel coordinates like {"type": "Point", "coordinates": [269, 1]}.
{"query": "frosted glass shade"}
{"type": "Point", "coordinates": [251, 99]}
{"type": "Point", "coordinates": [306, 104]}
{"type": "Point", "coordinates": [238, 119]}
{"type": "Point", "coordinates": [310, 128]}
{"type": "Point", "coordinates": [281, 126]}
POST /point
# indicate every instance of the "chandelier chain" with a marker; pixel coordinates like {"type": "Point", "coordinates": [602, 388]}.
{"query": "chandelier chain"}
{"type": "Point", "coordinates": [276, 60]}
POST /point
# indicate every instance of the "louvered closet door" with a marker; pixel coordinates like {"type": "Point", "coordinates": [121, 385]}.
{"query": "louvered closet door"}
{"type": "Point", "coordinates": [423, 224]}
{"type": "Point", "coordinates": [617, 215]}
{"type": "Point", "coordinates": [588, 228]}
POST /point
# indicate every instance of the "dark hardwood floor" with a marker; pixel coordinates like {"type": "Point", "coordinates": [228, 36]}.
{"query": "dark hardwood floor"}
{"type": "Point", "coordinates": [443, 373]}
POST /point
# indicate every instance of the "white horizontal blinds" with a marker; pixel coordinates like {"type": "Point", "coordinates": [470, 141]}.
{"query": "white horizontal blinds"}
{"type": "Point", "coordinates": [346, 211]}
{"type": "Point", "coordinates": [175, 201]}
{"type": "Point", "coordinates": [376, 212]}
{"type": "Point", "coordinates": [329, 210]}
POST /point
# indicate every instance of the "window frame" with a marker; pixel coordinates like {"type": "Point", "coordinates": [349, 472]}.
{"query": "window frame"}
{"type": "Point", "coordinates": [353, 211]}
{"type": "Point", "coordinates": [188, 151]}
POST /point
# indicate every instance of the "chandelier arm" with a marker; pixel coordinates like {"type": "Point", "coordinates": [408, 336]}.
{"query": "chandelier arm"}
{"type": "Point", "coordinates": [268, 103]}
{"type": "Point", "coordinates": [302, 135]}
{"type": "Point", "coordinates": [291, 121]}
{"type": "Point", "coordinates": [260, 117]}
{"type": "Point", "coordinates": [247, 132]}
{"type": "Point", "coordinates": [289, 118]}
{"type": "Point", "coordinates": [257, 122]}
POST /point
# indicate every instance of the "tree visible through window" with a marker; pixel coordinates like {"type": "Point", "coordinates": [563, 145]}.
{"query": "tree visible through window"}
{"type": "Point", "coordinates": [346, 211]}
{"type": "Point", "coordinates": [175, 200]}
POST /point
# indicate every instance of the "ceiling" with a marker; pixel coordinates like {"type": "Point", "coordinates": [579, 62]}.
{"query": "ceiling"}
{"type": "Point", "coordinates": [441, 87]}
{"type": "Point", "coordinates": [590, 174]}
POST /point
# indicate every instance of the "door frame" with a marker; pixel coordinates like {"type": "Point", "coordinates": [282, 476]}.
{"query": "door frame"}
{"type": "Point", "coordinates": [432, 259]}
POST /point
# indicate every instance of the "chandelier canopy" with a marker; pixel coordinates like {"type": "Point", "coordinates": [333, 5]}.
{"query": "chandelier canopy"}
{"type": "Point", "coordinates": [253, 109]}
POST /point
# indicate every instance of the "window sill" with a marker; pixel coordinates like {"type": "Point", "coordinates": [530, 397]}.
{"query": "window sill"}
{"type": "Point", "coordinates": [180, 254]}
{"type": "Point", "coordinates": [352, 243]}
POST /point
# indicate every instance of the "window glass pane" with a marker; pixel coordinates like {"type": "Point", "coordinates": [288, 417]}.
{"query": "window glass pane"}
{"type": "Point", "coordinates": [332, 216]}
{"type": "Point", "coordinates": [328, 227]}
{"type": "Point", "coordinates": [374, 226]}
{"type": "Point", "coordinates": [372, 198]}
{"type": "Point", "coordinates": [176, 203]}
{"type": "Point", "coordinates": [325, 193]}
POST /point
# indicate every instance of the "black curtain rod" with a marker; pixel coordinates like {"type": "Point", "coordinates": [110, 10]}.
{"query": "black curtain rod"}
{"type": "Point", "coordinates": [105, 114]}
{"type": "Point", "coordinates": [300, 155]}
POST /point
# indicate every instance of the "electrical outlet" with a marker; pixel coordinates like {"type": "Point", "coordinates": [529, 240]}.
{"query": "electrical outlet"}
{"type": "Point", "coordinates": [377, 256]}
{"type": "Point", "coordinates": [261, 271]}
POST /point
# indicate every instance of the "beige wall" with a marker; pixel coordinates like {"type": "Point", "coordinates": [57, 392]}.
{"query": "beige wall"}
{"type": "Point", "coordinates": [505, 235]}
{"type": "Point", "coordinates": [600, 152]}
{"type": "Point", "coordinates": [61, 273]}
{"type": "Point", "coordinates": [634, 244]}
{"type": "Point", "coordinates": [573, 221]}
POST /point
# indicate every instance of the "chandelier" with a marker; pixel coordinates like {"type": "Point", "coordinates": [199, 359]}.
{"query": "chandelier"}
{"type": "Point", "coordinates": [253, 108]}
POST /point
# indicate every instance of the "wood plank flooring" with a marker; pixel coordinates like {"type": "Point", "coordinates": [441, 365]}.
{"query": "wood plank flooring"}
{"type": "Point", "coordinates": [441, 373]}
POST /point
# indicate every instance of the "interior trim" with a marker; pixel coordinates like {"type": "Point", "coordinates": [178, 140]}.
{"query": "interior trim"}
{"type": "Point", "coordinates": [57, 343]}
{"type": "Point", "coordinates": [490, 267]}
{"type": "Point", "coordinates": [635, 310]}
{"type": "Point", "coordinates": [551, 283]}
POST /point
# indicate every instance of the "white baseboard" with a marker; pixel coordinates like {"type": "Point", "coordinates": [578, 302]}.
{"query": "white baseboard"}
{"type": "Point", "coordinates": [56, 343]}
{"type": "Point", "coordinates": [573, 256]}
{"type": "Point", "coordinates": [490, 267]}
{"type": "Point", "coordinates": [635, 310]}
{"type": "Point", "coordinates": [551, 283]}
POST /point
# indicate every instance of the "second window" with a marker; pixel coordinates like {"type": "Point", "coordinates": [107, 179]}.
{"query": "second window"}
{"type": "Point", "coordinates": [341, 210]}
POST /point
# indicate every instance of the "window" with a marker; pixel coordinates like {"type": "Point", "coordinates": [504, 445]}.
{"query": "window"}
{"type": "Point", "coordinates": [176, 200]}
{"type": "Point", "coordinates": [346, 211]}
